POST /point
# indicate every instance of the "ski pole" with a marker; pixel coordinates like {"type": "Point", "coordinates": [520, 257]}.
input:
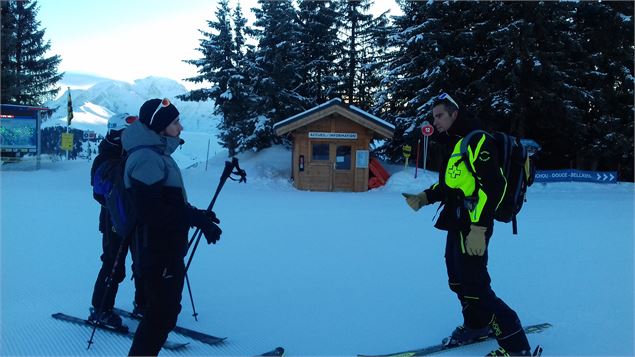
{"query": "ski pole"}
{"type": "Point", "coordinates": [189, 289]}
{"type": "Point", "coordinates": [227, 172]}
{"type": "Point", "coordinates": [122, 247]}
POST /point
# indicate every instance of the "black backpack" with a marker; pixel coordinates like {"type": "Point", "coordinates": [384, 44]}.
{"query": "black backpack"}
{"type": "Point", "coordinates": [518, 168]}
{"type": "Point", "coordinates": [108, 181]}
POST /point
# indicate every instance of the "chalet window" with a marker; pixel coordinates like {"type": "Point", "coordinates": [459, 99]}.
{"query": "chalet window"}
{"type": "Point", "coordinates": [320, 152]}
{"type": "Point", "coordinates": [343, 157]}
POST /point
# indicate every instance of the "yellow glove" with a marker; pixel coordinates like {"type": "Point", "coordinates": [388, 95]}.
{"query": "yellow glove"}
{"type": "Point", "coordinates": [416, 201]}
{"type": "Point", "coordinates": [475, 241]}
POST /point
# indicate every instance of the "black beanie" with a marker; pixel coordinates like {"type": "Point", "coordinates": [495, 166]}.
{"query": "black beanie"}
{"type": "Point", "coordinates": [162, 118]}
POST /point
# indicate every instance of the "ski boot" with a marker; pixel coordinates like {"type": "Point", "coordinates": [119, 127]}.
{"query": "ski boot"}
{"type": "Point", "coordinates": [502, 352]}
{"type": "Point", "coordinates": [108, 319]}
{"type": "Point", "coordinates": [464, 335]}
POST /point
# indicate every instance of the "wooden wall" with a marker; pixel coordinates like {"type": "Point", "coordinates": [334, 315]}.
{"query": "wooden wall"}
{"type": "Point", "coordinates": [322, 175]}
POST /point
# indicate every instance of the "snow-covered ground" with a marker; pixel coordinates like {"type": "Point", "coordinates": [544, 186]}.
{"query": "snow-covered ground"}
{"type": "Point", "coordinates": [322, 274]}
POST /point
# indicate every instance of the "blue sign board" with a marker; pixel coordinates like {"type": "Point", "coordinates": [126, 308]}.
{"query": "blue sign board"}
{"type": "Point", "coordinates": [576, 175]}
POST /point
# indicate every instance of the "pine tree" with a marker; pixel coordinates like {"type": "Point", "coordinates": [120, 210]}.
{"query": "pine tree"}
{"type": "Point", "coordinates": [539, 53]}
{"type": "Point", "coordinates": [374, 55]}
{"type": "Point", "coordinates": [362, 52]}
{"type": "Point", "coordinates": [239, 112]}
{"type": "Point", "coordinates": [535, 69]}
{"type": "Point", "coordinates": [435, 48]}
{"type": "Point", "coordinates": [216, 65]}
{"type": "Point", "coordinates": [240, 32]}
{"type": "Point", "coordinates": [606, 74]}
{"type": "Point", "coordinates": [319, 45]}
{"type": "Point", "coordinates": [274, 71]}
{"type": "Point", "coordinates": [404, 77]}
{"type": "Point", "coordinates": [219, 67]}
{"type": "Point", "coordinates": [28, 76]}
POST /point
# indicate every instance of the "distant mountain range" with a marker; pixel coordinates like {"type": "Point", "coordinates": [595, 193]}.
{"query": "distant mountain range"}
{"type": "Point", "coordinates": [95, 99]}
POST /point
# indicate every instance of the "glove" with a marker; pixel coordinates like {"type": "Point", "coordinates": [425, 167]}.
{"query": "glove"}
{"type": "Point", "coordinates": [416, 201]}
{"type": "Point", "coordinates": [475, 241]}
{"type": "Point", "coordinates": [207, 222]}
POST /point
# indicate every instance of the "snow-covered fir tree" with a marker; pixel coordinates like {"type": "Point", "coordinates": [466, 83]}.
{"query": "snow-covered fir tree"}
{"type": "Point", "coordinates": [434, 49]}
{"type": "Point", "coordinates": [607, 75]}
{"type": "Point", "coordinates": [538, 70]}
{"type": "Point", "coordinates": [275, 70]}
{"type": "Point", "coordinates": [319, 45]}
{"type": "Point", "coordinates": [218, 52]}
{"type": "Point", "coordinates": [240, 31]}
{"type": "Point", "coordinates": [362, 52]}
{"type": "Point", "coordinates": [222, 66]}
{"type": "Point", "coordinates": [29, 77]}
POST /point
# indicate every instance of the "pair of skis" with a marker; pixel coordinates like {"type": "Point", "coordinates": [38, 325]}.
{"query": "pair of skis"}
{"type": "Point", "coordinates": [169, 345]}
{"type": "Point", "coordinates": [425, 351]}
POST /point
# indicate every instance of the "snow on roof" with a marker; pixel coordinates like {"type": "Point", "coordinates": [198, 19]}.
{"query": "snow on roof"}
{"type": "Point", "coordinates": [335, 101]}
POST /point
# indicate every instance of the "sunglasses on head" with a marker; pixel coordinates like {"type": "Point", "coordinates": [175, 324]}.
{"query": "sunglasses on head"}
{"type": "Point", "coordinates": [446, 96]}
{"type": "Point", "coordinates": [164, 104]}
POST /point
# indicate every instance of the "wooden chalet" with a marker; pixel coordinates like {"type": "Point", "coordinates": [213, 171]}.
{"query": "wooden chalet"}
{"type": "Point", "coordinates": [331, 145]}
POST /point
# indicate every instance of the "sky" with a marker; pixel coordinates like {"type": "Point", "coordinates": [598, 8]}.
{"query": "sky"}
{"type": "Point", "coordinates": [128, 40]}
{"type": "Point", "coordinates": [319, 273]}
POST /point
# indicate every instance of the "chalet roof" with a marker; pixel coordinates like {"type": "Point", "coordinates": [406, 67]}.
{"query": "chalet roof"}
{"type": "Point", "coordinates": [336, 105]}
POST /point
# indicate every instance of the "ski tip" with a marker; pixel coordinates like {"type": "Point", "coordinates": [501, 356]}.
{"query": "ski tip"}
{"type": "Point", "coordinates": [400, 354]}
{"type": "Point", "coordinates": [538, 351]}
{"type": "Point", "coordinates": [277, 352]}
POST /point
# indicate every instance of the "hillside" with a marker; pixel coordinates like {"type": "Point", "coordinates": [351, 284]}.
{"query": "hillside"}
{"type": "Point", "coordinates": [95, 99]}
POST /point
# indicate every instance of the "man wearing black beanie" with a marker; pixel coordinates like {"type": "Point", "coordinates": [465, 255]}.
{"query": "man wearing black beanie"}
{"type": "Point", "coordinates": [157, 114]}
{"type": "Point", "coordinates": [160, 239]}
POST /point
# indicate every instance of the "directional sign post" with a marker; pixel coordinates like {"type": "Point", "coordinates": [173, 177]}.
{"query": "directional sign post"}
{"type": "Point", "coordinates": [576, 176]}
{"type": "Point", "coordinates": [407, 149]}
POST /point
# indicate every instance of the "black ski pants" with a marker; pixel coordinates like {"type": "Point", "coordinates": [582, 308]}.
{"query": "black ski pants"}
{"type": "Point", "coordinates": [163, 285]}
{"type": "Point", "coordinates": [469, 279]}
{"type": "Point", "coordinates": [111, 242]}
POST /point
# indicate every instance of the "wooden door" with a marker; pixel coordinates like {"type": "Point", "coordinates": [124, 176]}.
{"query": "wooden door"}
{"type": "Point", "coordinates": [343, 166]}
{"type": "Point", "coordinates": [319, 176]}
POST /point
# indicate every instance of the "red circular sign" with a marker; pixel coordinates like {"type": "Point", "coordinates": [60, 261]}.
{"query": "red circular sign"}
{"type": "Point", "coordinates": [427, 130]}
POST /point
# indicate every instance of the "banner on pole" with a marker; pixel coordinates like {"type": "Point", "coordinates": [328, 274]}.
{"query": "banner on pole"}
{"type": "Point", "coordinates": [70, 115]}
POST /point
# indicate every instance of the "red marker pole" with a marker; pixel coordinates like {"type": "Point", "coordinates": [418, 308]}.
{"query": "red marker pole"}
{"type": "Point", "coordinates": [426, 130]}
{"type": "Point", "coordinates": [417, 160]}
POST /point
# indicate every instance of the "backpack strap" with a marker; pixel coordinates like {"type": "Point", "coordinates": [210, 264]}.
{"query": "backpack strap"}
{"type": "Point", "coordinates": [465, 142]}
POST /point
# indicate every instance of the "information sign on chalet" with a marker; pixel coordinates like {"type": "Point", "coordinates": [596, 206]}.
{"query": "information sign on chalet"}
{"type": "Point", "coordinates": [331, 144]}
